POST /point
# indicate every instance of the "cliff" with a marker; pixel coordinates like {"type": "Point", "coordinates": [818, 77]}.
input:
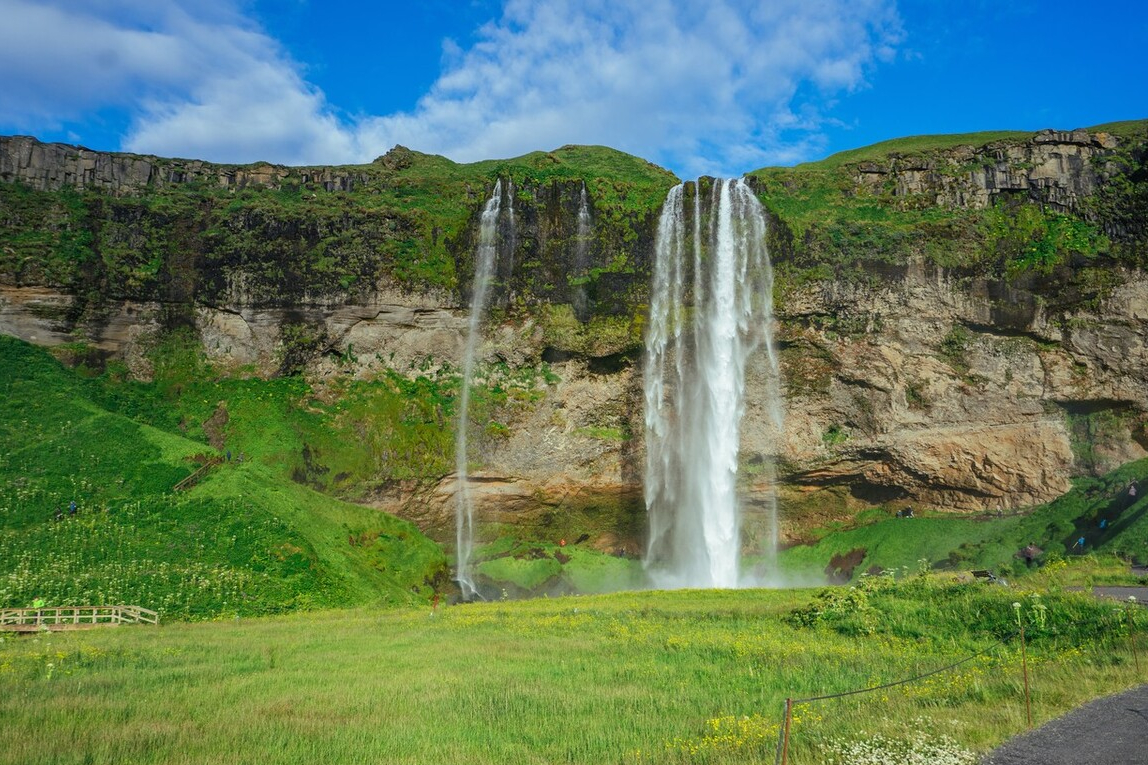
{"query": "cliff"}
{"type": "Point", "coordinates": [964, 320]}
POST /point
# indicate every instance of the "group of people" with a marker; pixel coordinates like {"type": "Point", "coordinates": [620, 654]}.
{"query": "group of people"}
{"type": "Point", "coordinates": [71, 510]}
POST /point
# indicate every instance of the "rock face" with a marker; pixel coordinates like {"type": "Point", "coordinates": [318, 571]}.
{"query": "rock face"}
{"type": "Point", "coordinates": [918, 391]}
{"type": "Point", "coordinates": [53, 166]}
{"type": "Point", "coordinates": [1061, 169]}
{"type": "Point", "coordinates": [918, 384]}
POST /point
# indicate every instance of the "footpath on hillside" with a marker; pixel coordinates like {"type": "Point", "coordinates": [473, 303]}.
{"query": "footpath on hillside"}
{"type": "Point", "coordinates": [1109, 731]}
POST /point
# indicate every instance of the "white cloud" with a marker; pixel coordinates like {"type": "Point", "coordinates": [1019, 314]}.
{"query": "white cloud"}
{"type": "Point", "coordinates": [722, 86]}
{"type": "Point", "coordinates": [718, 87]}
{"type": "Point", "coordinates": [199, 79]}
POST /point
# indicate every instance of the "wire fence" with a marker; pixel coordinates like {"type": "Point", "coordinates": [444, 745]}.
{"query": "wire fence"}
{"type": "Point", "coordinates": [782, 754]}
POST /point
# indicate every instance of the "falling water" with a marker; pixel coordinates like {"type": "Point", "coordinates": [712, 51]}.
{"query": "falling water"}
{"type": "Point", "coordinates": [484, 265]}
{"type": "Point", "coordinates": [581, 255]}
{"type": "Point", "coordinates": [694, 385]}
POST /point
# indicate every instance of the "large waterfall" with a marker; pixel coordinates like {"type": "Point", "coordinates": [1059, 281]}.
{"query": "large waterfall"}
{"type": "Point", "coordinates": [485, 261]}
{"type": "Point", "coordinates": [711, 309]}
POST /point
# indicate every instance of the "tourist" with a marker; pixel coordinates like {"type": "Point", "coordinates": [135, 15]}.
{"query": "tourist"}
{"type": "Point", "coordinates": [1030, 553]}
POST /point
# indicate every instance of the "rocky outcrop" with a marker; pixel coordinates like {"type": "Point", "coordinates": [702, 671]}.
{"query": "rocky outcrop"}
{"type": "Point", "coordinates": [53, 166]}
{"type": "Point", "coordinates": [1060, 169]}
{"type": "Point", "coordinates": [918, 389]}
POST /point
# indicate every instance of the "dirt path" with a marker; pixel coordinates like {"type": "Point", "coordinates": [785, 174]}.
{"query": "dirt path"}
{"type": "Point", "coordinates": [1108, 731]}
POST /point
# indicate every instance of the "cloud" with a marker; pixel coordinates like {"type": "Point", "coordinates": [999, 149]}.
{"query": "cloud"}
{"type": "Point", "coordinates": [198, 79]}
{"type": "Point", "coordinates": [718, 87]}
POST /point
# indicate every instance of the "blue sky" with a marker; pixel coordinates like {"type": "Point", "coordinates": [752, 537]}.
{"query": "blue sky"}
{"type": "Point", "coordinates": [717, 87]}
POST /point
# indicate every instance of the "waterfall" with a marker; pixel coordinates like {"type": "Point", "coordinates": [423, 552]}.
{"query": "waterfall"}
{"type": "Point", "coordinates": [710, 311]}
{"type": "Point", "coordinates": [581, 255]}
{"type": "Point", "coordinates": [485, 261]}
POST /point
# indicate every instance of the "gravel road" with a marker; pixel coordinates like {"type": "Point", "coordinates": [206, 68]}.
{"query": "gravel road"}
{"type": "Point", "coordinates": [1108, 731]}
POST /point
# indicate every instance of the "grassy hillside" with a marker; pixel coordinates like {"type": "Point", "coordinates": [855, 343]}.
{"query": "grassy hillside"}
{"type": "Point", "coordinates": [402, 219]}
{"type": "Point", "coordinates": [243, 541]}
{"type": "Point", "coordinates": [684, 677]}
{"type": "Point", "coordinates": [834, 227]}
{"type": "Point", "coordinates": [916, 145]}
{"type": "Point", "coordinates": [959, 543]}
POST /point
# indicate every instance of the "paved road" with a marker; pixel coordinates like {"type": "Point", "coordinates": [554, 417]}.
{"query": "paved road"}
{"type": "Point", "coordinates": [1108, 731]}
{"type": "Point", "coordinates": [1122, 593]}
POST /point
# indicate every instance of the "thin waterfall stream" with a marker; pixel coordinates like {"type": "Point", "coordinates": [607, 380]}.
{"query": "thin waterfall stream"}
{"type": "Point", "coordinates": [485, 261]}
{"type": "Point", "coordinates": [582, 236]}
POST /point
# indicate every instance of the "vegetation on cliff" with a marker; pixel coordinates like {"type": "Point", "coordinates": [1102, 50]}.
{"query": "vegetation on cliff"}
{"type": "Point", "coordinates": [296, 238]}
{"type": "Point", "coordinates": [924, 199]}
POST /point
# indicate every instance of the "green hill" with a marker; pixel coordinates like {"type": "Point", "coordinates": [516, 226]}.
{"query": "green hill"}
{"type": "Point", "coordinates": [1101, 510]}
{"type": "Point", "coordinates": [242, 541]}
{"type": "Point", "coordinates": [870, 208]}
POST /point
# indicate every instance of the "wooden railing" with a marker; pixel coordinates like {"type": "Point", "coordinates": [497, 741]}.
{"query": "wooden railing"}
{"type": "Point", "coordinates": [73, 617]}
{"type": "Point", "coordinates": [195, 477]}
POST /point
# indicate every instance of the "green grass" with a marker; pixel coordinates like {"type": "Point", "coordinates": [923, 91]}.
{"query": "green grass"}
{"type": "Point", "coordinates": [520, 567]}
{"type": "Point", "coordinates": [883, 150]}
{"type": "Point", "coordinates": [245, 540]}
{"type": "Point", "coordinates": [685, 677]}
{"type": "Point", "coordinates": [834, 228]}
{"type": "Point", "coordinates": [961, 542]}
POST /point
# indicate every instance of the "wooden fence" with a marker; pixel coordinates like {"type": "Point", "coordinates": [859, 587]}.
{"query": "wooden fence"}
{"type": "Point", "coordinates": [195, 477]}
{"type": "Point", "coordinates": [73, 617]}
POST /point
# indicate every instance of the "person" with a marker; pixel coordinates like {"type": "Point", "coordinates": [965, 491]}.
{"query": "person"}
{"type": "Point", "coordinates": [1103, 523]}
{"type": "Point", "coordinates": [1030, 553]}
{"type": "Point", "coordinates": [38, 603]}
{"type": "Point", "coordinates": [1079, 543]}
{"type": "Point", "coordinates": [72, 507]}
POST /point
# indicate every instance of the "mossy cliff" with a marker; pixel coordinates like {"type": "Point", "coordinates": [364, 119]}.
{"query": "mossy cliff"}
{"type": "Point", "coordinates": [963, 318]}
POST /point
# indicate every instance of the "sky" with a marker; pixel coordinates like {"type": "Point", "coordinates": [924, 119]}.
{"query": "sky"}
{"type": "Point", "coordinates": [720, 87]}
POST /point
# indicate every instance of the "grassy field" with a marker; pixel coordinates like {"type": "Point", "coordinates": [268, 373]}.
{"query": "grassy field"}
{"type": "Point", "coordinates": [682, 677]}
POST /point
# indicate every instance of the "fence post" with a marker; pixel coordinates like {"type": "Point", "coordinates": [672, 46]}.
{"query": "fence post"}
{"type": "Point", "coordinates": [785, 738]}
{"type": "Point", "coordinates": [1024, 664]}
{"type": "Point", "coordinates": [1132, 637]}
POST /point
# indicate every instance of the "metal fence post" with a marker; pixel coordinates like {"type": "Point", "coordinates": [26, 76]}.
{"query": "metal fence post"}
{"type": "Point", "coordinates": [1024, 664]}
{"type": "Point", "coordinates": [1132, 637]}
{"type": "Point", "coordinates": [785, 739]}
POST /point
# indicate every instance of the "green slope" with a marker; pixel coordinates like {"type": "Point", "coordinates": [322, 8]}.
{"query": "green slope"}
{"type": "Point", "coordinates": [948, 541]}
{"type": "Point", "coordinates": [836, 224]}
{"type": "Point", "coordinates": [243, 541]}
